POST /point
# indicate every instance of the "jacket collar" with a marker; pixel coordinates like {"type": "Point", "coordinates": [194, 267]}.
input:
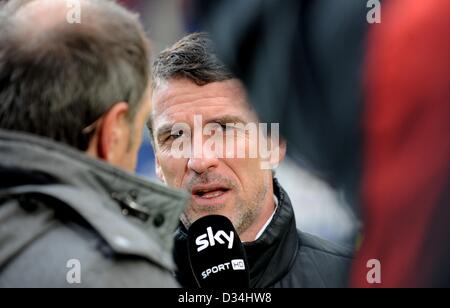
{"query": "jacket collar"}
{"type": "Point", "coordinates": [270, 257]}
{"type": "Point", "coordinates": [110, 187]}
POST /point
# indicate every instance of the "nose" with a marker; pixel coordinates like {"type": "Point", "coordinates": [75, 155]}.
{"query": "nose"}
{"type": "Point", "coordinates": [202, 157]}
{"type": "Point", "coordinates": [202, 164]}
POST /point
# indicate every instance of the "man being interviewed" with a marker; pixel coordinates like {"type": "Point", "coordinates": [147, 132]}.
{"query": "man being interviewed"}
{"type": "Point", "coordinates": [201, 124]}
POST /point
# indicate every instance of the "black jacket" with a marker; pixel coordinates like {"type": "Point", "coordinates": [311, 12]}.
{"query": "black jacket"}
{"type": "Point", "coordinates": [282, 257]}
{"type": "Point", "coordinates": [58, 205]}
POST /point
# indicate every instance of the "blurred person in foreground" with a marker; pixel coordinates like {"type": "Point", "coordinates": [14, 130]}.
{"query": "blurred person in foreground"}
{"type": "Point", "coordinates": [195, 96]}
{"type": "Point", "coordinates": [406, 179]}
{"type": "Point", "coordinates": [74, 99]}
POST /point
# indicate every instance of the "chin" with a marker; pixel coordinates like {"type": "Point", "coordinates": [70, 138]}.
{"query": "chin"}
{"type": "Point", "coordinates": [201, 211]}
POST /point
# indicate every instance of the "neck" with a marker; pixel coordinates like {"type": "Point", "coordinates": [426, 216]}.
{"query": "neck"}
{"type": "Point", "coordinates": [266, 213]}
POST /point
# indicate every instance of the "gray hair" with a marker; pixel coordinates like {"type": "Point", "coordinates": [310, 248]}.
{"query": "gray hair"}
{"type": "Point", "coordinates": [57, 82]}
{"type": "Point", "coordinates": [193, 58]}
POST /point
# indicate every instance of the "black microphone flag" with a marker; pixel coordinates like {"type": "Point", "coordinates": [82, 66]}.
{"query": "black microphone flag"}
{"type": "Point", "coordinates": [216, 254]}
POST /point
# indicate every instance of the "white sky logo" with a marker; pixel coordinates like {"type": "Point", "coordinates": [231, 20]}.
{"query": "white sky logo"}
{"type": "Point", "coordinates": [209, 239]}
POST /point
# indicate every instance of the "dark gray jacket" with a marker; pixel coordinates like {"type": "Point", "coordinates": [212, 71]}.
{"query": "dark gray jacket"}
{"type": "Point", "coordinates": [283, 257]}
{"type": "Point", "coordinates": [58, 205]}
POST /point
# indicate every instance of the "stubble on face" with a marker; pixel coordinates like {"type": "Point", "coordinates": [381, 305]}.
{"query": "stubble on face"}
{"type": "Point", "coordinates": [244, 211]}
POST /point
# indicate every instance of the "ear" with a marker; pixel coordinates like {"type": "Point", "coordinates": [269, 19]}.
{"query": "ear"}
{"type": "Point", "coordinates": [283, 150]}
{"type": "Point", "coordinates": [114, 133]}
{"type": "Point", "coordinates": [278, 153]}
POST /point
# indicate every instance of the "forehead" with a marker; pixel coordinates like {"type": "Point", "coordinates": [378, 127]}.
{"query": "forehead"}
{"type": "Point", "coordinates": [180, 99]}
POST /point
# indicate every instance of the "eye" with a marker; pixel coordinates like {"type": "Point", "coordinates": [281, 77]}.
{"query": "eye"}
{"type": "Point", "coordinates": [222, 128]}
{"type": "Point", "coordinates": [226, 127]}
{"type": "Point", "coordinates": [177, 135]}
{"type": "Point", "coordinates": [171, 137]}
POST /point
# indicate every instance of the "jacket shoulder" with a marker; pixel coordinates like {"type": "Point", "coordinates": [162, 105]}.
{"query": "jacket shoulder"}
{"type": "Point", "coordinates": [321, 246]}
{"type": "Point", "coordinates": [325, 264]}
{"type": "Point", "coordinates": [46, 248]}
{"type": "Point", "coordinates": [318, 264]}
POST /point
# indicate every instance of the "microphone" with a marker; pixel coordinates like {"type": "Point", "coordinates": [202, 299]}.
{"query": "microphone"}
{"type": "Point", "coordinates": [216, 254]}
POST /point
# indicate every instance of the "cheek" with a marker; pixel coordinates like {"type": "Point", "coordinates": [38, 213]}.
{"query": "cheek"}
{"type": "Point", "coordinates": [247, 171]}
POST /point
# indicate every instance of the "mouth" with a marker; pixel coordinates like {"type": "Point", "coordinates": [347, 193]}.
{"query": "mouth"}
{"type": "Point", "coordinates": [210, 194]}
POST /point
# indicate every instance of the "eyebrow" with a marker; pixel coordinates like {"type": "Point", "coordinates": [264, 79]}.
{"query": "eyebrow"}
{"type": "Point", "coordinates": [165, 129]}
{"type": "Point", "coordinates": [227, 119]}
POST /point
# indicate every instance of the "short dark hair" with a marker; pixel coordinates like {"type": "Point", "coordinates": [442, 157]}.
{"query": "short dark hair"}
{"type": "Point", "coordinates": [193, 58]}
{"type": "Point", "coordinates": [58, 82]}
